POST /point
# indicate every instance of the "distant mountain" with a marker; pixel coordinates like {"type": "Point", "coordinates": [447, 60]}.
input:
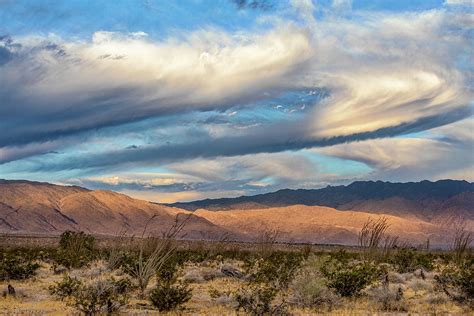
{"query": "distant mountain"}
{"type": "Point", "coordinates": [415, 211]}
{"type": "Point", "coordinates": [34, 207]}
{"type": "Point", "coordinates": [318, 224]}
{"type": "Point", "coordinates": [432, 201]}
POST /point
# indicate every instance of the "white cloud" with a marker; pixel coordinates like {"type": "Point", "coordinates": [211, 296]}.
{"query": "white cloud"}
{"type": "Point", "coordinates": [72, 86]}
{"type": "Point", "coordinates": [305, 9]}
{"type": "Point", "coordinates": [409, 159]}
{"type": "Point", "coordinates": [459, 2]}
{"type": "Point", "coordinates": [387, 70]}
{"type": "Point", "coordinates": [383, 70]}
{"type": "Point", "coordinates": [342, 5]}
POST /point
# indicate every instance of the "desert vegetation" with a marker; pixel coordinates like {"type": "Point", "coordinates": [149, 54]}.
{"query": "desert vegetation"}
{"type": "Point", "coordinates": [80, 273]}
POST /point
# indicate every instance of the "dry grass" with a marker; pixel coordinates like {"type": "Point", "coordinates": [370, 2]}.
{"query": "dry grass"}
{"type": "Point", "coordinates": [419, 298]}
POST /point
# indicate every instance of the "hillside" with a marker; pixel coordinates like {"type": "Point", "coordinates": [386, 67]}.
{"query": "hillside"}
{"type": "Point", "coordinates": [426, 200]}
{"type": "Point", "coordinates": [33, 207]}
{"type": "Point", "coordinates": [316, 224]}
{"type": "Point", "coordinates": [42, 208]}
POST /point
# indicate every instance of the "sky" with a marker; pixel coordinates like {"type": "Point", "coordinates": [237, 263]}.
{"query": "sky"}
{"type": "Point", "coordinates": [191, 99]}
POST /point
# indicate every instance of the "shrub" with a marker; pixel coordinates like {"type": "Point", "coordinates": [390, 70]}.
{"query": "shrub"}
{"type": "Point", "coordinates": [215, 293]}
{"type": "Point", "coordinates": [277, 269]}
{"type": "Point", "coordinates": [408, 260]}
{"type": "Point", "coordinates": [13, 266]}
{"type": "Point", "coordinates": [76, 249]}
{"type": "Point", "coordinates": [100, 296]}
{"type": "Point", "coordinates": [371, 236]}
{"type": "Point", "coordinates": [154, 254]}
{"type": "Point", "coordinates": [123, 286]}
{"type": "Point", "coordinates": [258, 299]}
{"type": "Point", "coordinates": [106, 296]}
{"type": "Point", "coordinates": [309, 286]}
{"type": "Point", "coordinates": [313, 292]}
{"type": "Point", "coordinates": [167, 296]}
{"type": "Point", "coordinates": [461, 242]}
{"type": "Point", "coordinates": [349, 280]}
{"type": "Point", "coordinates": [144, 266]}
{"type": "Point", "coordinates": [390, 299]}
{"type": "Point", "coordinates": [457, 281]}
{"type": "Point", "coordinates": [342, 255]}
{"type": "Point", "coordinates": [420, 285]}
{"type": "Point", "coordinates": [168, 270]}
{"type": "Point", "coordinates": [66, 287]}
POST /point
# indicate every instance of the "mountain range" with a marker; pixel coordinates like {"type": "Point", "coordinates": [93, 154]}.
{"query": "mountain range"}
{"type": "Point", "coordinates": [333, 215]}
{"type": "Point", "coordinates": [432, 201]}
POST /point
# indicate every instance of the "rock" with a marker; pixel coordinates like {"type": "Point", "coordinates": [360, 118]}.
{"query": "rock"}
{"type": "Point", "coordinates": [231, 272]}
{"type": "Point", "coordinates": [399, 294]}
{"type": "Point", "coordinates": [11, 290]}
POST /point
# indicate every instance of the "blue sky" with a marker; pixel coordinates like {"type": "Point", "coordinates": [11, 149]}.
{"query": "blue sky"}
{"type": "Point", "coordinates": [182, 100]}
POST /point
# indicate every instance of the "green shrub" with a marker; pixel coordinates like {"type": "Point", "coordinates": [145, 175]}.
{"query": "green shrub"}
{"type": "Point", "coordinates": [102, 296]}
{"type": "Point", "coordinates": [123, 286]}
{"type": "Point", "coordinates": [342, 255]}
{"type": "Point", "coordinates": [168, 296]}
{"type": "Point", "coordinates": [408, 260]}
{"type": "Point", "coordinates": [167, 272]}
{"type": "Point", "coordinates": [277, 269]}
{"type": "Point", "coordinates": [66, 287]}
{"type": "Point", "coordinates": [14, 266]}
{"type": "Point", "coordinates": [349, 279]}
{"type": "Point", "coordinates": [457, 281]}
{"type": "Point", "coordinates": [258, 299]}
{"type": "Point", "coordinates": [76, 249]}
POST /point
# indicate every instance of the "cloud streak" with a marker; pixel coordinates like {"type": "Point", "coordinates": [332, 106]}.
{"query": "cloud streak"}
{"type": "Point", "coordinates": [51, 90]}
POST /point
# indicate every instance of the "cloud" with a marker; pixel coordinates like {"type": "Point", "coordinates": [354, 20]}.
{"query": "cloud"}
{"type": "Point", "coordinates": [217, 177]}
{"type": "Point", "coordinates": [184, 196]}
{"type": "Point", "coordinates": [261, 139]}
{"type": "Point", "coordinates": [13, 153]}
{"type": "Point", "coordinates": [459, 2]}
{"type": "Point", "coordinates": [446, 154]}
{"type": "Point", "coordinates": [253, 4]}
{"type": "Point", "coordinates": [387, 75]}
{"type": "Point", "coordinates": [305, 9]}
{"type": "Point", "coordinates": [342, 5]}
{"type": "Point", "coordinates": [53, 88]}
{"type": "Point", "coordinates": [388, 70]}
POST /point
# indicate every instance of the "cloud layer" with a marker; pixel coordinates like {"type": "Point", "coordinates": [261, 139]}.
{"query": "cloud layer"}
{"type": "Point", "coordinates": [212, 99]}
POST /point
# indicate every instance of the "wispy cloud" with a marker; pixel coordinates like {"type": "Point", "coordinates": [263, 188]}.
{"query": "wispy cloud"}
{"type": "Point", "coordinates": [126, 100]}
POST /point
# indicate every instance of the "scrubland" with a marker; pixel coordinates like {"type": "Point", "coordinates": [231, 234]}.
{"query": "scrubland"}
{"type": "Point", "coordinates": [79, 274]}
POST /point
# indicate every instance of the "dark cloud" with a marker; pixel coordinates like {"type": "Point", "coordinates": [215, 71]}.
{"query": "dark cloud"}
{"type": "Point", "coordinates": [263, 5]}
{"type": "Point", "coordinates": [282, 137]}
